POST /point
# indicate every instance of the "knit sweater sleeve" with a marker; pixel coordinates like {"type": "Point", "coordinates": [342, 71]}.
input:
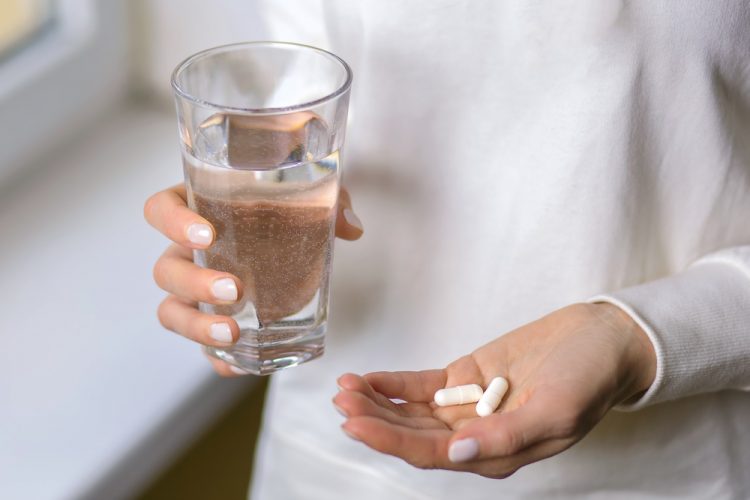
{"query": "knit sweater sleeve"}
{"type": "Point", "coordinates": [699, 323]}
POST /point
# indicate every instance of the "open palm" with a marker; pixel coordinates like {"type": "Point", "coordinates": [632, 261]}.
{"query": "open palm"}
{"type": "Point", "coordinates": [566, 371]}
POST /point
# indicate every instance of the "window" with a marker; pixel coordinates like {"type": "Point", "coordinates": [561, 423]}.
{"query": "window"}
{"type": "Point", "coordinates": [20, 21]}
{"type": "Point", "coordinates": [62, 62]}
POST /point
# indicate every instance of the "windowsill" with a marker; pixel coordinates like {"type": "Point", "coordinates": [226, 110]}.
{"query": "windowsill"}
{"type": "Point", "coordinates": [96, 396]}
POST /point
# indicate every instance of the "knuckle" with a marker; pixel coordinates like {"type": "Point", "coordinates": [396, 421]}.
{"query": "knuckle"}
{"type": "Point", "coordinates": [509, 442]}
{"type": "Point", "coordinates": [174, 217]}
{"type": "Point", "coordinates": [161, 313]}
{"type": "Point", "coordinates": [149, 207]}
{"type": "Point", "coordinates": [160, 273]}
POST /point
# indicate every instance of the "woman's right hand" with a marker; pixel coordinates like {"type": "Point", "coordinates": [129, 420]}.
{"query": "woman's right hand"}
{"type": "Point", "coordinates": [187, 283]}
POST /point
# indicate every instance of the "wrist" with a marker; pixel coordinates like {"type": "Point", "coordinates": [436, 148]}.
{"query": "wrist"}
{"type": "Point", "coordinates": [638, 368]}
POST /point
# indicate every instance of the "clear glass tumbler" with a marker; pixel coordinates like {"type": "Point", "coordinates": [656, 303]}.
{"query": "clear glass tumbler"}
{"type": "Point", "coordinates": [261, 126]}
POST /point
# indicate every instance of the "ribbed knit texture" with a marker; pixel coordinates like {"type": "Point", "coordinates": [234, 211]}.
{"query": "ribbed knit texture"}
{"type": "Point", "coordinates": [699, 324]}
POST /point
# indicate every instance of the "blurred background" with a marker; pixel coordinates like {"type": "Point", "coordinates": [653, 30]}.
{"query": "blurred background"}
{"type": "Point", "coordinates": [96, 399]}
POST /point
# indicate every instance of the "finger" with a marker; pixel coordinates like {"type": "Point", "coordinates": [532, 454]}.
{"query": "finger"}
{"type": "Point", "coordinates": [223, 368]}
{"type": "Point", "coordinates": [423, 448]}
{"type": "Point", "coordinates": [175, 273]}
{"type": "Point", "coordinates": [409, 386]}
{"type": "Point", "coordinates": [348, 225]}
{"type": "Point", "coordinates": [504, 434]}
{"type": "Point", "coordinates": [353, 382]}
{"type": "Point", "coordinates": [356, 404]}
{"type": "Point", "coordinates": [427, 448]}
{"type": "Point", "coordinates": [183, 318]}
{"type": "Point", "coordinates": [167, 211]}
{"type": "Point", "coordinates": [454, 416]}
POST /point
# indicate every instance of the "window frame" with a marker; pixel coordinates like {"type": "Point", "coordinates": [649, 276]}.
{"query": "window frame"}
{"type": "Point", "coordinates": [61, 80]}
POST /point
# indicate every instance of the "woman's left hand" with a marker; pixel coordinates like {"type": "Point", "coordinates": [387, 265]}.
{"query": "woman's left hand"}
{"type": "Point", "coordinates": [565, 370]}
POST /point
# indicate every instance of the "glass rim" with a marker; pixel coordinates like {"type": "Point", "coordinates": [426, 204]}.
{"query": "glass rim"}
{"type": "Point", "coordinates": [259, 111]}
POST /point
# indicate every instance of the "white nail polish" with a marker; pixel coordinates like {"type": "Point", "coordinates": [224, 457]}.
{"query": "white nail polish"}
{"type": "Point", "coordinates": [463, 450]}
{"type": "Point", "coordinates": [221, 332]}
{"type": "Point", "coordinates": [351, 218]}
{"type": "Point", "coordinates": [224, 289]}
{"type": "Point", "coordinates": [237, 371]}
{"type": "Point", "coordinates": [200, 234]}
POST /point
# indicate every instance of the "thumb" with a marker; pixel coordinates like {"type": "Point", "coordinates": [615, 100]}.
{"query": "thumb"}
{"type": "Point", "coordinates": [502, 434]}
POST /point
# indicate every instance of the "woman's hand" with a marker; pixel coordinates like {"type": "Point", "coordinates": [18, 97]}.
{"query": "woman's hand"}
{"type": "Point", "coordinates": [565, 370]}
{"type": "Point", "coordinates": [187, 284]}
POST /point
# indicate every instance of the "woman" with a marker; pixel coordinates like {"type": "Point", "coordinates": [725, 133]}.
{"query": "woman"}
{"type": "Point", "coordinates": [586, 163]}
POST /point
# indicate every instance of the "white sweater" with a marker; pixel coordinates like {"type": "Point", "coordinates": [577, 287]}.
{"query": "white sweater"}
{"type": "Point", "coordinates": [511, 157]}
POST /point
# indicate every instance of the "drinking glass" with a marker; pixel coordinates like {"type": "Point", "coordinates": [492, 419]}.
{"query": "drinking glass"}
{"type": "Point", "coordinates": [261, 127]}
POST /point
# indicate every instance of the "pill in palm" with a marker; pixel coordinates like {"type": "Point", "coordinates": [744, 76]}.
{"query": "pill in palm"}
{"type": "Point", "coordinates": [459, 395]}
{"type": "Point", "coordinates": [492, 397]}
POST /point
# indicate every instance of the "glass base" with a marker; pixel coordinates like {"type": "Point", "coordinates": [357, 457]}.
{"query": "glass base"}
{"type": "Point", "coordinates": [286, 348]}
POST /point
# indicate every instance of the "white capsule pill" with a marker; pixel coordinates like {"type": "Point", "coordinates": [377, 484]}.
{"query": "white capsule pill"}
{"type": "Point", "coordinates": [459, 395]}
{"type": "Point", "coordinates": [491, 398]}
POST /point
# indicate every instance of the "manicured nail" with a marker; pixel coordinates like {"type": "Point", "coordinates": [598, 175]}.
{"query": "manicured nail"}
{"type": "Point", "coordinates": [237, 371]}
{"type": "Point", "coordinates": [351, 218]}
{"type": "Point", "coordinates": [221, 332]}
{"type": "Point", "coordinates": [463, 450]}
{"type": "Point", "coordinates": [346, 431]}
{"type": "Point", "coordinates": [200, 234]}
{"type": "Point", "coordinates": [225, 289]}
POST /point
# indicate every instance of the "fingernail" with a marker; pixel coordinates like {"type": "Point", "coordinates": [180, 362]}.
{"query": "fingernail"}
{"type": "Point", "coordinates": [340, 410]}
{"type": "Point", "coordinates": [463, 450]}
{"type": "Point", "coordinates": [200, 234]}
{"type": "Point", "coordinates": [237, 371]}
{"type": "Point", "coordinates": [221, 332]}
{"type": "Point", "coordinates": [225, 289]}
{"type": "Point", "coordinates": [346, 431]}
{"type": "Point", "coordinates": [351, 218]}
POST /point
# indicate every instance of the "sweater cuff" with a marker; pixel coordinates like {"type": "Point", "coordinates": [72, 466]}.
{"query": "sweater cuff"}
{"type": "Point", "coordinates": [699, 324]}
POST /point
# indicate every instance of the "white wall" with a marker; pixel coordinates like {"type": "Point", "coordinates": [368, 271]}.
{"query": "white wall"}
{"type": "Point", "coordinates": [168, 31]}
